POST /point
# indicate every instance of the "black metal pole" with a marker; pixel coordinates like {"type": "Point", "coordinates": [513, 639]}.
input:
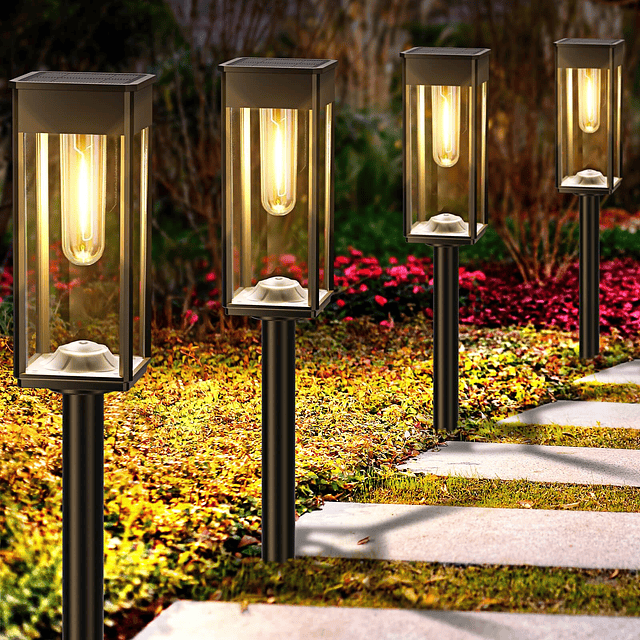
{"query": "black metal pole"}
{"type": "Point", "coordinates": [278, 439]}
{"type": "Point", "coordinates": [589, 276]}
{"type": "Point", "coordinates": [82, 516]}
{"type": "Point", "coordinates": [445, 338]}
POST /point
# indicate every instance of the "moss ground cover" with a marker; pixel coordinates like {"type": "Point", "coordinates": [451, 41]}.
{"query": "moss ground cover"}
{"type": "Point", "coordinates": [182, 461]}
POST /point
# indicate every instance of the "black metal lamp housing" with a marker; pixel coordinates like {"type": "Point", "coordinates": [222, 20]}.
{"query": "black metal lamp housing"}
{"type": "Point", "coordinates": [81, 145]}
{"type": "Point", "coordinates": [588, 110]}
{"type": "Point", "coordinates": [445, 157]}
{"type": "Point", "coordinates": [278, 186]}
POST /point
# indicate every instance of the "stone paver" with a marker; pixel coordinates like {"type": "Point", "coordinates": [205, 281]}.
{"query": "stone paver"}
{"type": "Point", "coordinates": [186, 620]}
{"type": "Point", "coordinates": [578, 465]}
{"type": "Point", "coordinates": [472, 535]}
{"type": "Point", "coordinates": [625, 373]}
{"type": "Point", "coordinates": [614, 415]}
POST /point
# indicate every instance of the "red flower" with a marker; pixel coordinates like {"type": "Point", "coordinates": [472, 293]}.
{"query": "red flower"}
{"type": "Point", "coordinates": [341, 303]}
{"type": "Point", "coordinates": [381, 300]}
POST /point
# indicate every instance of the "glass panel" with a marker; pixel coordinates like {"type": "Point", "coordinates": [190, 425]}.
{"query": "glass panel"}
{"type": "Point", "coordinates": [324, 201]}
{"type": "Point", "coordinates": [268, 194]}
{"type": "Point", "coordinates": [584, 95]}
{"type": "Point", "coordinates": [617, 146]}
{"type": "Point", "coordinates": [481, 141]}
{"type": "Point", "coordinates": [439, 159]}
{"type": "Point", "coordinates": [139, 217]}
{"type": "Point", "coordinates": [72, 200]}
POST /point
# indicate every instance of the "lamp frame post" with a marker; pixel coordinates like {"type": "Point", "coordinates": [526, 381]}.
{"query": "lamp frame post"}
{"type": "Point", "coordinates": [588, 163]}
{"type": "Point", "coordinates": [256, 280]}
{"type": "Point", "coordinates": [430, 214]}
{"type": "Point", "coordinates": [114, 109]}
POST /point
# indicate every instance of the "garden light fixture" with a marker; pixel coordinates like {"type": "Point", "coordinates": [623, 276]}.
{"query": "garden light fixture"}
{"type": "Point", "coordinates": [445, 186]}
{"type": "Point", "coordinates": [277, 166]}
{"type": "Point", "coordinates": [589, 154]}
{"type": "Point", "coordinates": [81, 149]}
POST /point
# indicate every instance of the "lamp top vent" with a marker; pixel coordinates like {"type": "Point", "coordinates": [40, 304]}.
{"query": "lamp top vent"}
{"type": "Point", "coordinates": [463, 52]}
{"type": "Point", "coordinates": [279, 65]}
{"type": "Point", "coordinates": [82, 80]}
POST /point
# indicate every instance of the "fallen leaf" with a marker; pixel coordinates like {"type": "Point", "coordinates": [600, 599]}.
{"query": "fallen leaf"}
{"type": "Point", "coordinates": [244, 605]}
{"type": "Point", "coordinates": [614, 574]}
{"type": "Point", "coordinates": [410, 595]}
{"type": "Point", "coordinates": [271, 600]}
{"type": "Point", "coordinates": [364, 540]}
{"type": "Point", "coordinates": [247, 540]}
{"type": "Point", "coordinates": [525, 504]}
{"type": "Point", "coordinates": [569, 504]}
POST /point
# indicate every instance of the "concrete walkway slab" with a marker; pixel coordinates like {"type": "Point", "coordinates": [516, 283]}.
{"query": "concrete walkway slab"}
{"type": "Point", "coordinates": [472, 535]}
{"type": "Point", "coordinates": [625, 373]}
{"type": "Point", "coordinates": [541, 463]}
{"type": "Point", "coordinates": [577, 413]}
{"type": "Point", "coordinates": [186, 620]}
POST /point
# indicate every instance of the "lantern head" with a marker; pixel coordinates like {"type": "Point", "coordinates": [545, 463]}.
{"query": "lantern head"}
{"type": "Point", "coordinates": [277, 150]}
{"type": "Point", "coordinates": [445, 134]}
{"type": "Point", "coordinates": [81, 149]}
{"type": "Point", "coordinates": [588, 110]}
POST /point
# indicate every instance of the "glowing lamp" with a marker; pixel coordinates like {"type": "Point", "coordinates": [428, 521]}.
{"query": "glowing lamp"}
{"type": "Point", "coordinates": [82, 256]}
{"type": "Point", "coordinates": [588, 110]}
{"type": "Point", "coordinates": [277, 186]}
{"type": "Point", "coordinates": [445, 158]}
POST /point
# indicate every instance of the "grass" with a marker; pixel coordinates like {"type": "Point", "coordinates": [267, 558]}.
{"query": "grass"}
{"type": "Point", "coordinates": [182, 471]}
{"type": "Point", "coordinates": [421, 585]}
{"type": "Point", "coordinates": [505, 494]}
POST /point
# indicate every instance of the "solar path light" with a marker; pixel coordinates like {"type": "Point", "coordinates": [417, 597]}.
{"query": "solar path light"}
{"type": "Point", "coordinates": [589, 154]}
{"type": "Point", "coordinates": [81, 148]}
{"type": "Point", "coordinates": [445, 193]}
{"type": "Point", "coordinates": [277, 162]}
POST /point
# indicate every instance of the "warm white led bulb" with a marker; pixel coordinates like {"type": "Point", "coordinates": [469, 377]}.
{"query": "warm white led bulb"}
{"type": "Point", "coordinates": [83, 178]}
{"type": "Point", "coordinates": [589, 99]}
{"type": "Point", "coordinates": [278, 159]}
{"type": "Point", "coordinates": [445, 120]}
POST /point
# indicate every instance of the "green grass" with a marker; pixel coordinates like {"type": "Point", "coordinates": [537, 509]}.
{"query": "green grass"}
{"type": "Point", "coordinates": [420, 585]}
{"type": "Point", "coordinates": [504, 494]}
{"type": "Point", "coordinates": [558, 435]}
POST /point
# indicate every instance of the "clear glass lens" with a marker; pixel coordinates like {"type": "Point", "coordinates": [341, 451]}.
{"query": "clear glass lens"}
{"type": "Point", "coordinates": [589, 99]}
{"type": "Point", "coordinates": [446, 125]}
{"type": "Point", "coordinates": [83, 186]}
{"type": "Point", "coordinates": [278, 159]}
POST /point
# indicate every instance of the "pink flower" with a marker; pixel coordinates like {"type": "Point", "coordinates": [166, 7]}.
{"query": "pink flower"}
{"type": "Point", "coordinates": [393, 260]}
{"type": "Point", "coordinates": [191, 317]}
{"type": "Point", "coordinates": [387, 324]}
{"type": "Point", "coordinates": [347, 318]}
{"type": "Point", "coordinates": [341, 261]}
{"type": "Point", "coordinates": [341, 303]}
{"type": "Point", "coordinates": [210, 277]}
{"type": "Point", "coordinates": [287, 259]}
{"type": "Point", "coordinates": [356, 254]}
{"type": "Point", "coordinates": [381, 300]}
{"type": "Point", "coordinates": [363, 288]}
{"type": "Point", "coordinates": [417, 289]}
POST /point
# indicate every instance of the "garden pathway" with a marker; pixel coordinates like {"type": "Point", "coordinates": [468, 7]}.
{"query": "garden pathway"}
{"type": "Point", "coordinates": [578, 413]}
{"type": "Point", "coordinates": [472, 535]}
{"type": "Point", "coordinates": [465, 535]}
{"type": "Point", "coordinates": [226, 621]}
{"type": "Point", "coordinates": [540, 463]}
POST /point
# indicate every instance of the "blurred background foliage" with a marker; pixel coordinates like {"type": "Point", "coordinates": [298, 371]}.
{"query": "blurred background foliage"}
{"type": "Point", "coordinates": [533, 229]}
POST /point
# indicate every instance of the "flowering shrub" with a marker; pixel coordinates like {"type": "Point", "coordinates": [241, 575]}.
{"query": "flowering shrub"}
{"type": "Point", "coordinates": [502, 300]}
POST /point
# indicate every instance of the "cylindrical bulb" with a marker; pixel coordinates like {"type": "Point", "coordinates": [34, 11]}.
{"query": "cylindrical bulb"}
{"type": "Point", "coordinates": [83, 178]}
{"type": "Point", "coordinates": [445, 121]}
{"type": "Point", "coordinates": [278, 159]}
{"type": "Point", "coordinates": [589, 99]}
